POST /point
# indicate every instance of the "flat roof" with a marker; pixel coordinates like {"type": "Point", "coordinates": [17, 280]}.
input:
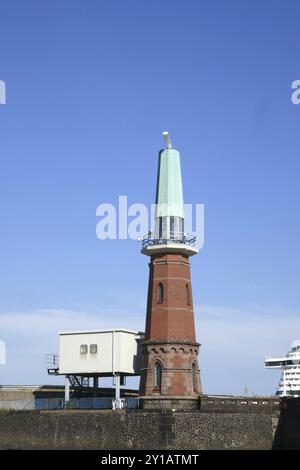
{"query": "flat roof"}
{"type": "Point", "coordinates": [123, 330]}
{"type": "Point", "coordinates": [20, 387]}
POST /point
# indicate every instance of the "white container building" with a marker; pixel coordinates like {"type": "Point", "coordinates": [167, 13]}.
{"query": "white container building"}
{"type": "Point", "coordinates": [100, 352]}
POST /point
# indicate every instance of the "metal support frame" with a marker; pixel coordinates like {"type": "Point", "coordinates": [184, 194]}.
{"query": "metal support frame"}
{"type": "Point", "coordinates": [67, 391]}
{"type": "Point", "coordinates": [95, 382]}
{"type": "Point", "coordinates": [77, 381]}
{"type": "Point", "coordinates": [118, 403]}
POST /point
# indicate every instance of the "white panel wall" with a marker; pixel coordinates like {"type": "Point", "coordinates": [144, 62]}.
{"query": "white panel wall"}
{"type": "Point", "coordinates": [117, 351]}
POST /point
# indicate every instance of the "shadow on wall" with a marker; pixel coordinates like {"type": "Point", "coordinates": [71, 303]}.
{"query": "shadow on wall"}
{"type": "Point", "coordinates": [287, 435]}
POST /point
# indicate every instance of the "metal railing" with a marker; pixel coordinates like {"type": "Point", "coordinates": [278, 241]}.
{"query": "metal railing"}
{"type": "Point", "coordinates": [102, 403]}
{"type": "Point", "coordinates": [182, 239]}
{"type": "Point", "coordinates": [52, 361]}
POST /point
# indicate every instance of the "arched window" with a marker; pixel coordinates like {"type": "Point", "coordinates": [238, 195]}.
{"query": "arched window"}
{"type": "Point", "coordinates": [160, 293]}
{"type": "Point", "coordinates": [157, 372]}
{"type": "Point", "coordinates": [188, 294]}
{"type": "Point", "coordinates": [194, 377]}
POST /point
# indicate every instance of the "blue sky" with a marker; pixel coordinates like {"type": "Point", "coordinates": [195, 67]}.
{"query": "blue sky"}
{"type": "Point", "coordinates": [90, 87]}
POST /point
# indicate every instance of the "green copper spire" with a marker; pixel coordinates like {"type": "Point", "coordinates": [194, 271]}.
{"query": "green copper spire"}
{"type": "Point", "coordinates": [168, 235]}
{"type": "Point", "coordinates": [169, 195]}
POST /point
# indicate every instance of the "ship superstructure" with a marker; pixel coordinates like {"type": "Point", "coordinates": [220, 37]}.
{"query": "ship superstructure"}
{"type": "Point", "coordinates": [289, 384]}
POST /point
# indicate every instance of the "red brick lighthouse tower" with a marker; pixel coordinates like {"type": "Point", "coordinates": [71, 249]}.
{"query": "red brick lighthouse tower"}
{"type": "Point", "coordinates": [170, 373]}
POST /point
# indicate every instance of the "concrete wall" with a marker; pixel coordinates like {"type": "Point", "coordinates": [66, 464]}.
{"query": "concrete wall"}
{"type": "Point", "coordinates": [17, 404]}
{"type": "Point", "coordinates": [17, 398]}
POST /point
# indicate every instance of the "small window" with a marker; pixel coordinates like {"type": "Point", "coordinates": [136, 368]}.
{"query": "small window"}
{"type": "Point", "coordinates": [160, 293]}
{"type": "Point", "coordinates": [157, 375]}
{"type": "Point", "coordinates": [93, 348]}
{"type": "Point", "coordinates": [172, 227]}
{"type": "Point", "coordinates": [188, 294]}
{"type": "Point", "coordinates": [181, 229]}
{"type": "Point", "coordinates": [83, 349]}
